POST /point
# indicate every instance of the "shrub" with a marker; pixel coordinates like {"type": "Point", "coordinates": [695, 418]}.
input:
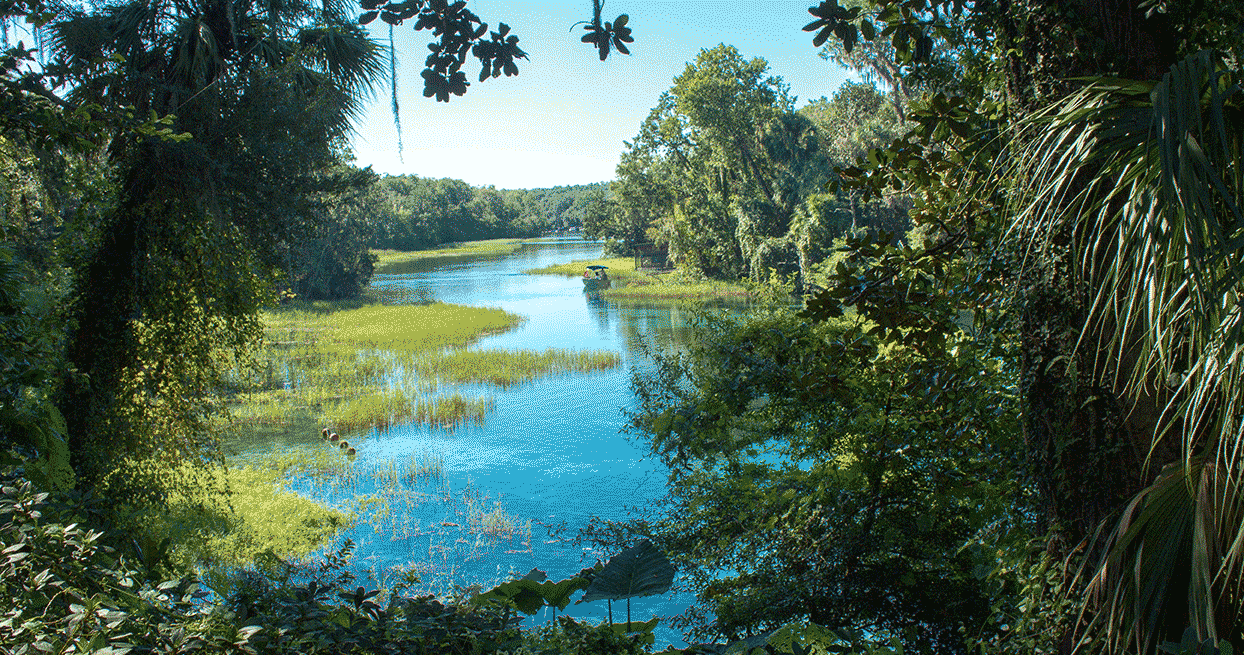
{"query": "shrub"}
{"type": "Point", "coordinates": [62, 590]}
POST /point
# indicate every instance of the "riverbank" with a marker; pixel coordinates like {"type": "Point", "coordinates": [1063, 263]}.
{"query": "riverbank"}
{"type": "Point", "coordinates": [649, 287]}
{"type": "Point", "coordinates": [396, 262]}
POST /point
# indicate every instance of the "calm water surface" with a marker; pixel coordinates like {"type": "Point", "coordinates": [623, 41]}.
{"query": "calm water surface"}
{"type": "Point", "coordinates": [550, 450]}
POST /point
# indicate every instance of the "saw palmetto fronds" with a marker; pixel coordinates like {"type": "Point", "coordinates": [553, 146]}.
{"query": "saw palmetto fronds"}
{"type": "Point", "coordinates": [1142, 183]}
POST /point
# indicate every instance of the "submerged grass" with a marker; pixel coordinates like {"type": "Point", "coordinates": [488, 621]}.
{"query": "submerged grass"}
{"type": "Point", "coordinates": [399, 261]}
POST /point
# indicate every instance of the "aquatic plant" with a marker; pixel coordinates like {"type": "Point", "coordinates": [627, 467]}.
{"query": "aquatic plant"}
{"type": "Point", "coordinates": [641, 287]}
{"type": "Point", "coordinates": [384, 409]}
{"type": "Point", "coordinates": [246, 511]}
{"type": "Point", "coordinates": [641, 570]}
{"type": "Point", "coordinates": [648, 290]}
{"type": "Point", "coordinates": [504, 367]}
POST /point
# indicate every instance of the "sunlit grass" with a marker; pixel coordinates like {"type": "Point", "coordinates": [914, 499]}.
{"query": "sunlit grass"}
{"type": "Point", "coordinates": [425, 467]}
{"type": "Point", "coordinates": [398, 261]}
{"type": "Point", "coordinates": [640, 286]}
{"type": "Point", "coordinates": [384, 409]}
{"type": "Point", "coordinates": [376, 366]}
{"type": "Point", "coordinates": [242, 512]}
{"type": "Point", "coordinates": [672, 288]}
{"type": "Point", "coordinates": [504, 367]}
{"type": "Point", "coordinates": [619, 268]}
{"type": "Point", "coordinates": [390, 327]}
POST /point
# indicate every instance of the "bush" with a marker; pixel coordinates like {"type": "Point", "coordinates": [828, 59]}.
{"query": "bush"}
{"type": "Point", "coordinates": [570, 637]}
{"type": "Point", "coordinates": [63, 589]}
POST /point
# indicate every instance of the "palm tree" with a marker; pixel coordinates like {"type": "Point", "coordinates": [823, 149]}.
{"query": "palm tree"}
{"type": "Point", "coordinates": [1143, 182]}
{"type": "Point", "coordinates": [230, 111]}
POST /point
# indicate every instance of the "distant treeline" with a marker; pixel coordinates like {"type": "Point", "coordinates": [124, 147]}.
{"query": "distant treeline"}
{"type": "Point", "coordinates": [412, 213]}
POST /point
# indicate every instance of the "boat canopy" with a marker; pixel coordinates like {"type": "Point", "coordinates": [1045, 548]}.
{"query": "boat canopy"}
{"type": "Point", "coordinates": [594, 267]}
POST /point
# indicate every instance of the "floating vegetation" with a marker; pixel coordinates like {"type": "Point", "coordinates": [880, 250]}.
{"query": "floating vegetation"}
{"type": "Point", "coordinates": [674, 289]}
{"type": "Point", "coordinates": [637, 286]}
{"type": "Point", "coordinates": [388, 327]}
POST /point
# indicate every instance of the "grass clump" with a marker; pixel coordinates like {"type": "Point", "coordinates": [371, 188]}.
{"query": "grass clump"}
{"type": "Point", "coordinates": [620, 268]}
{"type": "Point", "coordinates": [359, 367]}
{"type": "Point", "coordinates": [504, 368]}
{"type": "Point", "coordinates": [396, 262]}
{"type": "Point", "coordinates": [639, 286]}
{"type": "Point", "coordinates": [410, 328]}
{"type": "Point", "coordinates": [674, 288]}
{"type": "Point", "coordinates": [353, 367]}
{"type": "Point", "coordinates": [384, 409]}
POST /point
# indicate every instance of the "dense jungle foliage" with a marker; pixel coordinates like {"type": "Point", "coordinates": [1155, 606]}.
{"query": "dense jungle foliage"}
{"type": "Point", "coordinates": [1008, 421]}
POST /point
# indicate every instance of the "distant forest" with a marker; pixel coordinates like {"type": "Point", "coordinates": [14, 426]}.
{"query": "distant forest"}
{"type": "Point", "coordinates": [411, 213]}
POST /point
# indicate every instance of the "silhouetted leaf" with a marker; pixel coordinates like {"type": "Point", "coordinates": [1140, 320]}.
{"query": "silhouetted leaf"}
{"type": "Point", "coordinates": [641, 570]}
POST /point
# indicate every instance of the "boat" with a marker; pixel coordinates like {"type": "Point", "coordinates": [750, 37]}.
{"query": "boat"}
{"type": "Point", "coordinates": [595, 277]}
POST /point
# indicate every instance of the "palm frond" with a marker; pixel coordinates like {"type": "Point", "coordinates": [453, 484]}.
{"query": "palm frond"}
{"type": "Point", "coordinates": [345, 52]}
{"type": "Point", "coordinates": [1142, 181]}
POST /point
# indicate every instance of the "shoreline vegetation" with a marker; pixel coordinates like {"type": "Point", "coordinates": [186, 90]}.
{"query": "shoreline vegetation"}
{"type": "Point", "coordinates": [650, 287]}
{"type": "Point", "coordinates": [396, 262]}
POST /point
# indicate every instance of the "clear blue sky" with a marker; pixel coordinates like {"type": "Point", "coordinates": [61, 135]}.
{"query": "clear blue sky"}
{"type": "Point", "coordinates": [563, 119]}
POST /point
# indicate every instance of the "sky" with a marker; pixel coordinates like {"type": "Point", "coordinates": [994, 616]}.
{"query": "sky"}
{"type": "Point", "coordinates": [563, 119]}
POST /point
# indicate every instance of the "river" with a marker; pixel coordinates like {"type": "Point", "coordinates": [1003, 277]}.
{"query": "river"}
{"type": "Point", "coordinates": [550, 450]}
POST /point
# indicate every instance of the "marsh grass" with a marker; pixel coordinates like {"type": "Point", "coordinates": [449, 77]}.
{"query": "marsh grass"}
{"type": "Point", "coordinates": [620, 268]}
{"type": "Point", "coordinates": [642, 287]}
{"type": "Point", "coordinates": [409, 500]}
{"type": "Point", "coordinates": [397, 261]}
{"type": "Point", "coordinates": [411, 328]}
{"type": "Point", "coordinates": [242, 512]}
{"type": "Point", "coordinates": [672, 287]}
{"type": "Point", "coordinates": [384, 409]}
{"type": "Point", "coordinates": [504, 368]}
{"type": "Point", "coordinates": [374, 366]}
{"type": "Point", "coordinates": [427, 466]}
{"type": "Point", "coordinates": [356, 367]}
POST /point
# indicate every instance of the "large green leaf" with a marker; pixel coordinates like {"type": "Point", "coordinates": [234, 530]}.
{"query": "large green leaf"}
{"type": "Point", "coordinates": [557, 594]}
{"type": "Point", "coordinates": [641, 570]}
{"type": "Point", "coordinates": [525, 592]}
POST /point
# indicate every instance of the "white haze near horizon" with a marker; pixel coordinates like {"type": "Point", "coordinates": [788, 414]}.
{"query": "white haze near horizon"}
{"type": "Point", "coordinates": [563, 119]}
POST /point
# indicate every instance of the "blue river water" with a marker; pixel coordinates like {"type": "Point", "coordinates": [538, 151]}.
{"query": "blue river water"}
{"type": "Point", "coordinates": [550, 451]}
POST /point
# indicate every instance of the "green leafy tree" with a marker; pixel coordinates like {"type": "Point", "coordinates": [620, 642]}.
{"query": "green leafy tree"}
{"type": "Point", "coordinates": [817, 475]}
{"type": "Point", "coordinates": [720, 164]}
{"type": "Point", "coordinates": [335, 261]}
{"type": "Point", "coordinates": [1078, 161]}
{"type": "Point", "coordinates": [250, 101]}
